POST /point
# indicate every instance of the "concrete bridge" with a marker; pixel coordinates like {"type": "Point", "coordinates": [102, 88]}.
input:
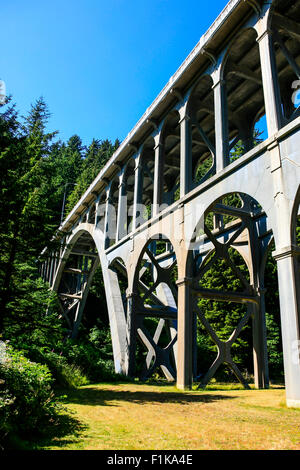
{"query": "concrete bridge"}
{"type": "Point", "coordinates": [175, 199]}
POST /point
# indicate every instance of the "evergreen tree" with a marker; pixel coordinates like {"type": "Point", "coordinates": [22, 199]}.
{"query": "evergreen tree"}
{"type": "Point", "coordinates": [96, 156]}
{"type": "Point", "coordinates": [26, 221]}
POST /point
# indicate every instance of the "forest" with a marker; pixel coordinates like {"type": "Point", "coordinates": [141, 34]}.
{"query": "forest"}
{"type": "Point", "coordinates": [37, 358]}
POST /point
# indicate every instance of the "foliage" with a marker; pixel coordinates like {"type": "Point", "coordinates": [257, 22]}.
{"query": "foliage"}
{"type": "Point", "coordinates": [25, 218]}
{"type": "Point", "coordinates": [65, 374]}
{"type": "Point", "coordinates": [93, 354]}
{"type": "Point", "coordinates": [33, 318]}
{"type": "Point", "coordinates": [96, 155]}
{"type": "Point", "coordinates": [27, 400]}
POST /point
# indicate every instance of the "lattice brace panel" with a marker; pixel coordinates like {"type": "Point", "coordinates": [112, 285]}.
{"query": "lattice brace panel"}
{"type": "Point", "coordinates": [156, 311]}
{"type": "Point", "coordinates": [75, 281]}
{"type": "Point", "coordinates": [227, 286]}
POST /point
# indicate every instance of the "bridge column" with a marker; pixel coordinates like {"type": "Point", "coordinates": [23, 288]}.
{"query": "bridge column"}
{"type": "Point", "coordinates": [158, 174]}
{"type": "Point", "coordinates": [137, 197]}
{"type": "Point", "coordinates": [185, 152]}
{"type": "Point", "coordinates": [221, 123]}
{"type": "Point", "coordinates": [259, 333]}
{"type": "Point", "coordinates": [122, 209]}
{"type": "Point", "coordinates": [269, 79]}
{"type": "Point", "coordinates": [260, 353]}
{"type": "Point", "coordinates": [185, 335]}
{"type": "Point", "coordinates": [108, 208]}
{"type": "Point", "coordinates": [287, 265]}
{"type": "Point", "coordinates": [131, 333]}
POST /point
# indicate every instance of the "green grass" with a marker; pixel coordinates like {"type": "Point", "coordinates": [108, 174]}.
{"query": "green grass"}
{"type": "Point", "coordinates": [137, 416]}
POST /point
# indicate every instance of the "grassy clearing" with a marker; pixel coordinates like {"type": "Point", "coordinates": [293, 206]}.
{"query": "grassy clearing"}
{"type": "Point", "coordinates": [142, 416]}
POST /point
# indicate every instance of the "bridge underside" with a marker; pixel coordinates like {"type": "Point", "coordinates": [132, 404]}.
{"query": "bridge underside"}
{"type": "Point", "coordinates": [196, 189]}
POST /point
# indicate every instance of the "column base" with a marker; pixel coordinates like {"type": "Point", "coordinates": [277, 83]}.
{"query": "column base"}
{"type": "Point", "coordinates": [293, 403]}
{"type": "Point", "coordinates": [183, 387]}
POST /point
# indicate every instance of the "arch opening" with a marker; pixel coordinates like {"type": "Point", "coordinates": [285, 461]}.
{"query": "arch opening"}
{"type": "Point", "coordinates": [231, 251]}
{"type": "Point", "coordinates": [156, 311]}
{"type": "Point", "coordinates": [75, 281]}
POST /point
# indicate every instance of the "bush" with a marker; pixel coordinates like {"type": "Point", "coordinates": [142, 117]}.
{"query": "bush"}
{"type": "Point", "coordinates": [27, 401]}
{"type": "Point", "coordinates": [93, 355]}
{"type": "Point", "coordinates": [88, 358]}
{"type": "Point", "coordinates": [65, 375]}
{"type": "Point", "coordinates": [6, 411]}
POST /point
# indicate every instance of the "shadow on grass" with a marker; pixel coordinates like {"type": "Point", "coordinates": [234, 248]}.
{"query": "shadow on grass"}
{"type": "Point", "coordinates": [69, 430]}
{"type": "Point", "coordinates": [66, 430]}
{"type": "Point", "coordinates": [94, 396]}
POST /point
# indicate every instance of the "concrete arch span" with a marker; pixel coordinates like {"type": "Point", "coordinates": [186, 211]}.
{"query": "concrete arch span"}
{"type": "Point", "coordinates": [82, 255]}
{"type": "Point", "coordinates": [152, 310]}
{"type": "Point", "coordinates": [233, 223]}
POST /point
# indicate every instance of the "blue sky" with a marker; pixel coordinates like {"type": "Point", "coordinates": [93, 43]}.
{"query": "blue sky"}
{"type": "Point", "coordinates": [98, 64]}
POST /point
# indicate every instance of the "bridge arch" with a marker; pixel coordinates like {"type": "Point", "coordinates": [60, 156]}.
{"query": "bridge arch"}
{"type": "Point", "coordinates": [154, 313]}
{"type": "Point", "coordinates": [86, 245]}
{"type": "Point", "coordinates": [232, 236]}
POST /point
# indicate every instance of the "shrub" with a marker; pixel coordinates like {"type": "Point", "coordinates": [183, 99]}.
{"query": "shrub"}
{"type": "Point", "coordinates": [92, 354]}
{"type": "Point", "coordinates": [27, 401]}
{"type": "Point", "coordinates": [6, 411]}
{"type": "Point", "coordinates": [87, 357]}
{"type": "Point", "coordinates": [65, 374]}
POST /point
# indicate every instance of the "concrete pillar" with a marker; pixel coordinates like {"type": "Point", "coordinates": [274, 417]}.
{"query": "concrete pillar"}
{"type": "Point", "coordinates": [185, 335]}
{"type": "Point", "coordinates": [51, 269]}
{"type": "Point", "coordinates": [138, 188]}
{"type": "Point", "coordinates": [48, 269]}
{"type": "Point", "coordinates": [106, 217]}
{"type": "Point", "coordinates": [131, 333]}
{"type": "Point", "coordinates": [270, 81]}
{"type": "Point", "coordinates": [185, 153]}
{"type": "Point", "coordinates": [42, 273]}
{"type": "Point", "coordinates": [260, 353]}
{"type": "Point", "coordinates": [122, 209]}
{"type": "Point", "coordinates": [259, 334]}
{"type": "Point", "coordinates": [221, 124]}
{"type": "Point", "coordinates": [289, 312]}
{"type": "Point", "coordinates": [158, 175]}
{"type": "Point", "coordinates": [96, 213]}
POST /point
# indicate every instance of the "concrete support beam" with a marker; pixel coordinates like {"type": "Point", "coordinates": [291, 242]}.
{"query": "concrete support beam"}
{"type": "Point", "coordinates": [122, 209]}
{"type": "Point", "coordinates": [131, 333]}
{"type": "Point", "coordinates": [270, 82]}
{"type": "Point", "coordinates": [185, 336]}
{"type": "Point", "coordinates": [221, 124]}
{"type": "Point", "coordinates": [158, 174]}
{"type": "Point", "coordinates": [108, 207]}
{"type": "Point", "coordinates": [137, 197]}
{"type": "Point", "coordinates": [289, 312]}
{"type": "Point", "coordinates": [185, 152]}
